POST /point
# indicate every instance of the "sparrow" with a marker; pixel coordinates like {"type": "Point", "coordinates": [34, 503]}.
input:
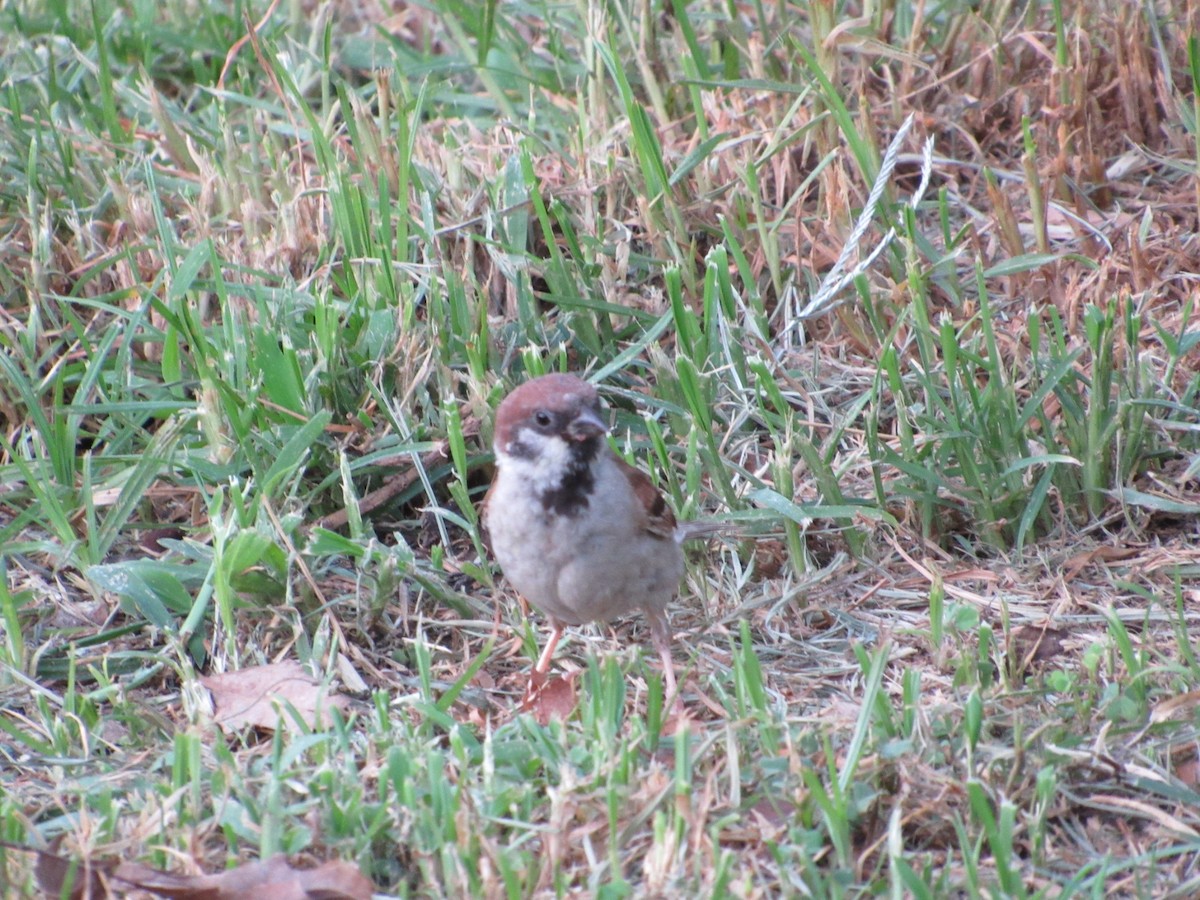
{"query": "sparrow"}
{"type": "Point", "coordinates": [580, 533]}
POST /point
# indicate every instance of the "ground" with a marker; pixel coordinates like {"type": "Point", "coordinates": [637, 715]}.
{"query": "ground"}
{"type": "Point", "coordinates": [903, 292]}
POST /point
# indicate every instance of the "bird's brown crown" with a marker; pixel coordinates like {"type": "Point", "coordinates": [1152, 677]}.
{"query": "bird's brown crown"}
{"type": "Point", "coordinates": [549, 405]}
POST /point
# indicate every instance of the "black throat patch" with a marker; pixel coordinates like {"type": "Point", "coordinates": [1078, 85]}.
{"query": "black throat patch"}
{"type": "Point", "coordinates": [571, 496]}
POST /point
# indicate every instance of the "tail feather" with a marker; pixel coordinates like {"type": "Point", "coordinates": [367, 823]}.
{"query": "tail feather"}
{"type": "Point", "coordinates": [696, 529]}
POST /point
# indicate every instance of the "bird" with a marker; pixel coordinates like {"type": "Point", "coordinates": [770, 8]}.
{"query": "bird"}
{"type": "Point", "coordinates": [576, 530]}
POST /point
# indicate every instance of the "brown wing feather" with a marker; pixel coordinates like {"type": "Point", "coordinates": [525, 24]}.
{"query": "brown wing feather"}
{"type": "Point", "coordinates": [659, 518]}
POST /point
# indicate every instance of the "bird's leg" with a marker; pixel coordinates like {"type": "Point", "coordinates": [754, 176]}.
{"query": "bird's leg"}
{"type": "Point", "coordinates": [537, 677]}
{"type": "Point", "coordinates": [543, 664]}
{"type": "Point", "coordinates": [660, 634]}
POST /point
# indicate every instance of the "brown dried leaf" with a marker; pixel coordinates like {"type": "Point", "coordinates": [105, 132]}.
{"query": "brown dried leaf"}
{"type": "Point", "coordinates": [258, 696]}
{"type": "Point", "coordinates": [1035, 644]}
{"type": "Point", "coordinates": [769, 557]}
{"type": "Point", "coordinates": [274, 878]}
{"type": "Point", "coordinates": [54, 873]}
{"type": "Point", "coordinates": [773, 814]}
{"type": "Point", "coordinates": [1180, 706]}
{"type": "Point", "coordinates": [168, 884]}
{"type": "Point", "coordinates": [550, 698]}
{"type": "Point", "coordinates": [1099, 555]}
{"type": "Point", "coordinates": [1187, 770]}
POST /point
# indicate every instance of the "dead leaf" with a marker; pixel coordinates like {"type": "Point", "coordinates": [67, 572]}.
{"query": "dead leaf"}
{"type": "Point", "coordinates": [1181, 706]}
{"type": "Point", "coordinates": [769, 557]}
{"type": "Point", "coordinates": [258, 697]}
{"type": "Point", "coordinates": [1035, 644]}
{"type": "Point", "coordinates": [351, 680]}
{"type": "Point", "coordinates": [1187, 770]}
{"type": "Point", "coordinates": [1147, 811]}
{"type": "Point", "coordinates": [772, 815]}
{"type": "Point", "coordinates": [1101, 555]}
{"type": "Point", "coordinates": [56, 874]}
{"type": "Point", "coordinates": [274, 878]}
{"type": "Point", "coordinates": [550, 698]}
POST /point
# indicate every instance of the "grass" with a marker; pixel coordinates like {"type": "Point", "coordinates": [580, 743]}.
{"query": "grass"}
{"type": "Point", "coordinates": [265, 274]}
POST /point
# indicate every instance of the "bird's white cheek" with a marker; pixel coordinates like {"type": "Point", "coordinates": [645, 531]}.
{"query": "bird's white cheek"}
{"type": "Point", "coordinates": [543, 469]}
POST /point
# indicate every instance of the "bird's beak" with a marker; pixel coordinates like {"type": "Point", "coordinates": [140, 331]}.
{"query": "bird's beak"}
{"type": "Point", "coordinates": [586, 425]}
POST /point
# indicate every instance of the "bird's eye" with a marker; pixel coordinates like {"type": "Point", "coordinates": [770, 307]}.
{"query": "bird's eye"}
{"type": "Point", "coordinates": [542, 418]}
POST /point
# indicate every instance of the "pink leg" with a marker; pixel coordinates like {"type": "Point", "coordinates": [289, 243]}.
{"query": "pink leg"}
{"type": "Point", "coordinates": [543, 663]}
{"type": "Point", "coordinates": [660, 633]}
